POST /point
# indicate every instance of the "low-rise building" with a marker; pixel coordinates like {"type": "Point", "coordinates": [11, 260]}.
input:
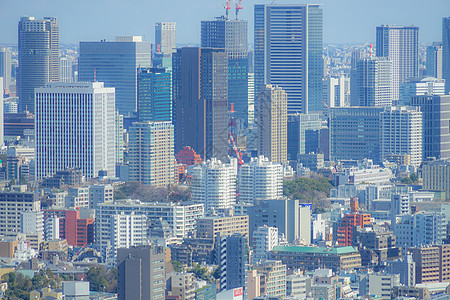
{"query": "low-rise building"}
{"type": "Point", "coordinates": [209, 227]}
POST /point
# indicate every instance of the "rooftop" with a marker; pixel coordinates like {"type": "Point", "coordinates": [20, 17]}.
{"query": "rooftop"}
{"type": "Point", "coordinates": [318, 250]}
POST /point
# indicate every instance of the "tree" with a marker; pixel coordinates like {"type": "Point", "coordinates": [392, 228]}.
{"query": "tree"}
{"type": "Point", "coordinates": [101, 280]}
{"type": "Point", "coordinates": [177, 266]}
{"type": "Point", "coordinates": [414, 178]}
{"type": "Point", "coordinates": [308, 190]}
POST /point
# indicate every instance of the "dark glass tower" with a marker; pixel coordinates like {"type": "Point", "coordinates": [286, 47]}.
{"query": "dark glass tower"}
{"type": "Point", "coordinates": [446, 53]}
{"type": "Point", "coordinates": [231, 35]}
{"type": "Point", "coordinates": [200, 100]}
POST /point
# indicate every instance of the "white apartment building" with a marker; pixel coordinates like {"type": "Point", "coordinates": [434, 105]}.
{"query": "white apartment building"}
{"type": "Point", "coordinates": [260, 179]}
{"type": "Point", "coordinates": [75, 128]}
{"type": "Point", "coordinates": [264, 239]}
{"type": "Point", "coordinates": [12, 205]}
{"type": "Point", "coordinates": [128, 230]}
{"type": "Point", "coordinates": [51, 228]}
{"type": "Point", "coordinates": [214, 184]}
{"type": "Point", "coordinates": [182, 218]}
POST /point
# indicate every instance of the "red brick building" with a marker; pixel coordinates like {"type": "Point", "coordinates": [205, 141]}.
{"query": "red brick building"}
{"type": "Point", "coordinates": [349, 221]}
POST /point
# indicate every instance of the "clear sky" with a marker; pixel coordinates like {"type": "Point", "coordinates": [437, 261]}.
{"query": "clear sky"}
{"type": "Point", "coordinates": [91, 20]}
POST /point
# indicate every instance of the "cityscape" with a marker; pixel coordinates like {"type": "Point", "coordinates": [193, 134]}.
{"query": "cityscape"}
{"type": "Point", "coordinates": [256, 154]}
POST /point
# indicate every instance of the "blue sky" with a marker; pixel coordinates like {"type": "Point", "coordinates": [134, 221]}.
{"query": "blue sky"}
{"type": "Point", "coordinates": [90, 20]}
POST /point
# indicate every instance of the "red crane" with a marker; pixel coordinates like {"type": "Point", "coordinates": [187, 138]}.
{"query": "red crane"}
{"type": "Point", "coordinates": [227, 8]}
{"type": "Point", "coordinates": [238, 7]}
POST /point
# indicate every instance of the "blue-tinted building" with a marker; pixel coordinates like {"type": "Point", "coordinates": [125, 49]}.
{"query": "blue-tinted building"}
{"type": "Point", "coordinates": [288, 53]}
{"type": "Point", "coordinates": [154, 95]}
{"type": "Point", "coordinates": [115, 64]}
{"type": "Point", "coordinates": [297, 127]}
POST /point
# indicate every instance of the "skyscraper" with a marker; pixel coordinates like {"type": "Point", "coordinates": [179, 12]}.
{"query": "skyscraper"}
{"type": "Point", "coordinates": [446, 53]}
{"type": "Point", "coordinates": [75, 128]}
{"type": "Point", "coordinates": [434, 60]}
{"type": "Point", "coordinates": [232, 36]}
{"type": "Point", "coordinates": [151, 154]}
{"type": "Point", "coordinates": [154, 95]}
{"type": "Point", "coordinates": [288, 53]}
{"type": "Point", "coordinates": [38, 57]}
{"type": "Point", "coordinates": [66, 69]}
{"type": "Point", "coordinates": [297, 125]}
{"type": "Point", "coordinates": [165, 37]}
{"type": "Point", "coordinates": [200, 96]}
{"type": "Point", "coordinates": [115, 64]}
{"type": "Point", "coordinates": [5, 67]}
{"type": "Point", "coordinates": [436, 119]}
{"type": "Point", "coordinates": [374, 82]}
{"type": "Point", "coordinates": [272, 123]}
{"type": "Point", "coordinates": [401, 45]}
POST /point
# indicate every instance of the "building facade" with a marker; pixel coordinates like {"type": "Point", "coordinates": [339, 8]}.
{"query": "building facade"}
{"type": "Point", "coordinates": [446, 52]}
{"type": "Point", "coordinates": [434, 60]}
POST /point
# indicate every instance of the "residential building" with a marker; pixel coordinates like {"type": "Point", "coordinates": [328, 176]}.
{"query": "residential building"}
{"type": "Point", "coordinates": [100, 194]}
{"type": "Point", "coordinates": [434, 60]}
{"type": "Point", "coordinates": [13, 204]}
{"type": "Point", "coordinates": [344, 234]}
{"type": "Point", "coordinates": [32, 224]}
{"type": "Point", "coordinates": [401, 133]}
{"type": "Point", "coordinates": [232, 258]}
{"type": "Point", "coordinates": [436, 117]}
{"type": "Point", "coordinates": [128, 230]}
{"type": "Point", "coordinates": [431, 263]}
{"type": "Point", "coordinates": [77, 197]}
{"type": "Point", "coordinates": [181, 284]}
{"type": "Point", "coordinates": [214, 184]}
{"type": "Point", "coordinates": [374, 82]}
{"type": "Point", "coordinates": [38, 57]}
{"type": "Point", "coordinates": [272, 278]}
{"type": "Point", "coordinates": [406, 268]}
{"type": "Point", "coordinates": [425, 86]}
{"type": "Point", "coordinates": [379, 285]}
{"type": "Point", "coordinates": [151, 155]}
{"type": "Point", "coordinates": [200, 113]}
{"type": "Point", "coordinates": [260, 179]}
{"type": "Point", "coordinates": [446, 52]}
{"type": "Point", "coordinates": [272, 123]}
{"type": "Point", "coordinates": [401, 45]}
{"type": "Point", "coordinates": [154, 95]}
{"type": "Point", "coordinates": [211, 227]}
{"type": "Point", "coordinates": [263, 241]}
{"type": "Point", "coordinates": [288, 53]}
{"type": "Point", "coordinates": [231, 35]}
{"type": "Point", "coordinates": [298, 286]}
{"type": "Point", "coordinates": [312, 257]}
{"type": "Point", "coordinates": [115, 64]}
{"type": "Point", "coordinates": [141, 273]}
{"type": "Point", "coordinates": [188, 157]}
{"type": "Point", "coordinates": [297, 126]}
{"type": "Point", "coordinates": [74, 127]}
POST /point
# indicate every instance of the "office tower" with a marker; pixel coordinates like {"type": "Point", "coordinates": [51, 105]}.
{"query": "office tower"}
{"type": "Point", "coordinates": [288, 53]}
{"type": "Point", "coordinates": [436, 118]}
{"type": "Point", "coordinates": [151, 154]}
{"type": "Point", "coordinates": [374, 82]}
{"type": "Point", "coordinates": [66, 69]}
{"type": "Point", "coordinates": [297, 126]}
{"type": "Point", "coordinates": [141, 273]}
{"type": "Point", "coordinates": [401, 45]}
{"type": "Point", "coordinates": [260, 179]}
{"type": "Point", "coordinates": [264, 239]}
{"type": "Point", "coordinates": [74, 125]}
{"type": "Point", "coordinates": [231, 35]}
{"type": "Point", "coordinates": [420, 86]}
{"type": "Point", "coordinates": [401, 133]}
{"type": "Point", "coordinates": [446, 53]}
{"type": "Point", "coordinates": [119, 138]}
{"type": "Point", "coordinates": [434, 60]}
{"type": "Point", "coordinates": [357, 55]}
{"type": "Point", "coordinates": [251, 98]}
{"type": "Point", "coordinates": [214, 184]}
{"type": "Point", "coordinates": [5, 67]}
{"type": "Point", "coordinates": [13, 204]}
{"type": "Point", "coordinates": [272, 123]}
{"type": "Point", "coordinates": [2, 131]}
{"type": "Point", "coordinates": [355, 133]}
{"type": "Point", "coordinates": [38, 57]}
{"type": "Point", "coordinates": [165, 37]}
{"type": "Point", "coordinates": [115, 64]}
{"type": "Point", "coordinates": [154, 95]}
{"type": "Point", "coordinates": [333, 91]}
{"type": "Point", "coordinates": [232, 258]}
{"type": "Point", "coordinates": [200, 96]}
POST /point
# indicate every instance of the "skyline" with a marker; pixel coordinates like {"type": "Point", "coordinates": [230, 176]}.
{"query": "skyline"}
{"type": "Point", "coordinates": [344, 21]}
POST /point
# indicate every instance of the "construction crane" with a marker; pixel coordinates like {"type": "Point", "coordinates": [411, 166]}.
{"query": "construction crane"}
{"type": "Point", "coordinates": [227, 8]}
{"type": "Point", "coordinates": [235, 149]}
{"type": "Point", "coordinates": [238, 7]}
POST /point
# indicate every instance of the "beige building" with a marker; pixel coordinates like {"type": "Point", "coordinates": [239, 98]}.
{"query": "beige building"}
{"type": "Point", "coordinates": [432, 263]}
{"type": "Point", "coordinates": [436, 176]}
{"type": "Point", "coordinates": [12, 205]}
{"type": "Point", "coordinates": [272, 123]}
{"type": "Point", "coordinates": [181, 284]}
{"type": "Point", "coordinates": [209, 227]}
{"type": "Point", "coordinates": [46, 293]}
{"type": "Point", "coordinates": [272, 278]}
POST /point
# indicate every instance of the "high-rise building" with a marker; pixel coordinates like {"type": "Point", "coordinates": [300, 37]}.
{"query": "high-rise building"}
{"type": "Point", "coordinates": [200, 96]}
{"type": "Point", "coordinates": [420, 86]}
{"type": "Point", "coordinates": [5, 67]}
{"type": "Point", "coordinates": [232, 258]}
{"type": "Point", "coordinates": [154, 95]}
{"type": "Point", "coordinates": [38, 57]}
{"type": "Point", "coordinates": [333, 91]}
{"type": "Point", "coordinates": [401, 45]}
{"type": "Point", "coordinates": [251, 98]}
{"type": "Point", "coordinates": [214, 184]}
{"type": "Point", "coordinates": [260, 179]}
{"type": "Point", "coordinates": [116, 64]}
{"type": "Point", "coordinates": [357, 55]}
{"type": "Point", "coordinates": [13, 204]}
{"type": "Point", "coordinates": [272, 123]}
{"type": "Point", "coordinates": [151, 155]}
{"type": "Point", "coordinates": [66, 69]}
{"type": "Point", "coordinates": [2, 131]}
{"type": "Point", "coordinates": [401, 133]}
{"type": "Point", "coordinates": [128, 230]}
{"type": "Point", "coordinates": [232, 36]}
{"type": "Point", "coordinates": [446, 53]}
{"type": "Point", "coordinates": [165, 37]}
{"type": "Point", "coordinates": [119, 138]}
{"type": "Point", "coordinates": [374, 82]}
{"type": "Point", "coordinates": [436, 119]}
{"type": "Point", "coordinates": [434, 60]}
{"type": "Point", "coordinates": [74, 125]}
{"type": "Point", "coordinates": [288, 53]}
{"type": "Point", "coordinates": [264, 239]}
{"type": "Point", "coordinates": [141, 273]}
{"type": "Point", "coordinates": [355, 133]}
{"type": "Point", "coordinates": [297, 126]}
